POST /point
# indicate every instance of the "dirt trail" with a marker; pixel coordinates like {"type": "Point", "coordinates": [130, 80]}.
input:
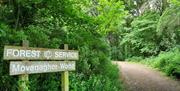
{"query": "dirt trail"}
{"type": "Point", "coordinates": [140, 78]}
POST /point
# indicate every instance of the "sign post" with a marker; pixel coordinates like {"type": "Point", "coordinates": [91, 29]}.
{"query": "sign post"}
{"type": "Point", "coordinates": [24, 78]}
{"type": "Point", "coordinates": [65, 75]}
{"type": "Point", "coordinates": [23, 66]}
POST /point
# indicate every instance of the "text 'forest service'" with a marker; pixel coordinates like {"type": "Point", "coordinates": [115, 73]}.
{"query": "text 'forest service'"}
{"type": "Point", "coordinates": [21, 53]}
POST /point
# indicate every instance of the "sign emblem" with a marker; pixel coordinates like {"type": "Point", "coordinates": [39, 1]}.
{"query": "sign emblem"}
{"type": "Point", "coordinates": [48, 54]}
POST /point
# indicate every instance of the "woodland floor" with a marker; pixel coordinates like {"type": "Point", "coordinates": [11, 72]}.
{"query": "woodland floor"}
{"type": "Point", "coordinates": [137, 77]}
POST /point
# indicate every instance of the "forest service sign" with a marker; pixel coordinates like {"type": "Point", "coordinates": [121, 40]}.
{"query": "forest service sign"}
{"type": "Point", "coordinates": [29, 53]}
{"type": "Point", "coordinates": [30, 67]}
{"type": "Point", "coordinates": [25, 64]}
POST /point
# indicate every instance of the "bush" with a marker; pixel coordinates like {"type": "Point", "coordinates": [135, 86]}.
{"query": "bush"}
{"type": "Point", "coordinates": [167, 62]}
{"type": "Point", "coordinates": [93, 83]}
{"type": "Point", "coordinates": [142, 38]}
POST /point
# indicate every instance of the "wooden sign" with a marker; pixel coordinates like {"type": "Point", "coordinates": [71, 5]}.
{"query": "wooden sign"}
{"type": "Point", "coordinates": [25, 67]}
{"type": "Point", "coordinates": [29, 53]}
{"type": "Point", "coordinates": [30, 67]}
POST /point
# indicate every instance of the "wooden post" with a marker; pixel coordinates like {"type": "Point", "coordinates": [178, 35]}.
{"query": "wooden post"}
{"type": "Point", "coordinates": [24, 79]}
{"type": "Point", "coordinates": [65, 76]}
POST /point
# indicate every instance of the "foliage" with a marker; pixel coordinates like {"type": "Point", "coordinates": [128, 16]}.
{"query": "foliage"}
{"type": "Point", "coordinates": [98, 82]}
{"type": "Point", "coordinates": [142, 38]}
{"type": "Point", "coordinates": [175, 2]}
{"type": "Point", "coordinates": [111, 15]}
{"type": "Point", "coordinates": [50, 24]}
{"type": "Point", "coordinates": [153, 39]}
{"type": "Point", "coordinates": [117, 51]}
{"type": "Point", "coordinates": [135, 59]}
{"type": "Point", "coordinates": [102, 30]}
{"type": "Point", "coordinates": [133, 6]}
{"type": "Point", "coordinates": [167, 62]}
{"type": "Point", "coordinates": [168, 28]}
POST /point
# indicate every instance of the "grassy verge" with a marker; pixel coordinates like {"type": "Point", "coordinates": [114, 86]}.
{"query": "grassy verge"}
{"type": "Point", "coordinates": [167, 62]}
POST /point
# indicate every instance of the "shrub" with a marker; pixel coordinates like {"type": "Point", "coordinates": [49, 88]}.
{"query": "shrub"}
{"type": "Point", "coordinates": [167, 62]}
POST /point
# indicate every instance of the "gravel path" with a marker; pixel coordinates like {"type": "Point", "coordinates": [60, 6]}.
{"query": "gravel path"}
{"type": "Point", "coordinates": [137, 77]}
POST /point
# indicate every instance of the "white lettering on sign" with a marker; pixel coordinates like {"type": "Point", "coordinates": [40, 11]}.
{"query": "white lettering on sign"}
{"type": "Point", "coordinates": [22, 53]}
{"type": "Point", "coordinates": [66, 66]}
{"type": "Point", "coordinates": [30, 67]}
{"type": "Point", "coordinates": [65, 54]}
